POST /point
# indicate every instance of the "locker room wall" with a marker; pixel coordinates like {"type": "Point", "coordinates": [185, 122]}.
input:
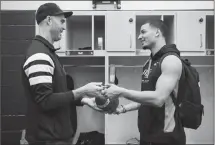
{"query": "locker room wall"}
{"type": "Point", "coordinates": [13, 45]}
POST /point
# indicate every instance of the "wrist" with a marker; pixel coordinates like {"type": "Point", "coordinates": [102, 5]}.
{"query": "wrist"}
{"type": "Point", "coordinates": [84, 100]}
{"type": "Point", "coordinates": [123, 92]}
{"type": "Point", "coordinates": [79, 93]}
{"type": "Point", "coordinates": [123, 109]}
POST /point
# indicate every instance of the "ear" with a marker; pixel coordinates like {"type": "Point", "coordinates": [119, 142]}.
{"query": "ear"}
{"type": "Point", "coordinates": [158, 32]}
{"type": "Point", "coordinates": [49, 20]}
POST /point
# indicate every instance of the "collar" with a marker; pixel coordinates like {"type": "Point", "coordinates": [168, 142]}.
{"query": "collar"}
{"type": "Point", "coordinates": [165, 49]}
{"type": "Point", "coordinates": [157, 55]}
{"type": "Point", "coordinates": [161, 52]}
{"type": "Point", "coordinates": [45, 42]}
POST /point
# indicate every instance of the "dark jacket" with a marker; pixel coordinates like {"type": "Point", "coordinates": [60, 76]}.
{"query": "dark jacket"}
{"type": "Point", "coordinates": [50, 105]}
{"type": "Point", "coordinates": [159, 124]}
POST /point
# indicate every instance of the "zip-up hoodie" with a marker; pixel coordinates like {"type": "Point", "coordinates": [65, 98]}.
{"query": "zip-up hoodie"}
{"type": "Point", "coordinates": [50, 105]}
{"type": "Point", "coordinates": [159, 124]}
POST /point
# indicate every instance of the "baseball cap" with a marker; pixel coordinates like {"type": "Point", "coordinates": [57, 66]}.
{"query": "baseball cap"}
{"type": "Point", "coordinates": [50, 9]}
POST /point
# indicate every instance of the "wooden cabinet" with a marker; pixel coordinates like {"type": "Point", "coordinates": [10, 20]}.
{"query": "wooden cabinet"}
{"type": "Point", "coordinates": [209, 39]}
{"type": "Point", "coordinates": [120, 31]}
{"type": "Point", "coordinates": [191, 31]}
{"type": "Point", "coordinates": [83, 30]}
{"type": "Point", "coordinates": [195, 32]}
{"type": "Point", "coordinates": [116, 32]}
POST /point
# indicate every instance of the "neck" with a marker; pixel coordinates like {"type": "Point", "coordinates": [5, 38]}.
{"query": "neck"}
{"type": "Point", "coordinates": [158, 45]}
{"type": "Point", "coordinates": [45, 34]}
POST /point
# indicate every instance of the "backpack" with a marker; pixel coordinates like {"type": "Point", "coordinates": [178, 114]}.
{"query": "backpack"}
{"type": "Point", "coordinates": [188, 101]}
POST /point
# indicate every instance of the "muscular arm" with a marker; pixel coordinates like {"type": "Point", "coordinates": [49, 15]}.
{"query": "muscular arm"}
{"type": "Point", "coordinates": [171, 68]}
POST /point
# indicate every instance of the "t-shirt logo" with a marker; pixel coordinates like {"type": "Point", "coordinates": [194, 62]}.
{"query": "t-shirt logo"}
{"type": "Point", "coordinates": [146, 73]}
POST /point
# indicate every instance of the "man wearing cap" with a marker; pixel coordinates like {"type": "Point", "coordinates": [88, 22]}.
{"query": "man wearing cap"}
{"type": "Point", "coordinates": [50, 116]}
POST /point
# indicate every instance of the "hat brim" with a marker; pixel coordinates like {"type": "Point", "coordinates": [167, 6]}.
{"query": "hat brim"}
{"type": "Point", "coordinates": [66, 14]}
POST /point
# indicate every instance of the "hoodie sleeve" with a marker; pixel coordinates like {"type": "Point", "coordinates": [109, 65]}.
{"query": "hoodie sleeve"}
{"type": "Point", "coordinates": [70, 86]}
{"type": "Point", "coordinates": [39, 70]}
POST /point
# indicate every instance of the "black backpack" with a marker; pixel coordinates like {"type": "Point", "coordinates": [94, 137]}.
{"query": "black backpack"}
{"type": "Point", "coordinates": [188, 102]}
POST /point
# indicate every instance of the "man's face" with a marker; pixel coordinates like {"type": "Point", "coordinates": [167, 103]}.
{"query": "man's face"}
{"type": "Point", "coordinates": [57, 26]}
{"type": "Point", "coordinates": [147, 36]}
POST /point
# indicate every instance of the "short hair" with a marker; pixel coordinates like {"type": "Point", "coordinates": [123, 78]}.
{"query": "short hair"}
{"type": "Point", "coordinates": [158, 24]}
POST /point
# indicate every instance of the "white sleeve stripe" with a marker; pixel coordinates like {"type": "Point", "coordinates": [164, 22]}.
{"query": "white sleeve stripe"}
{"type": "Point", "coordinates": [40, 80]}
{"type": "Point", "coordinates": [39, 68]}
{"type": "Point", "coordinates": [39, 56]}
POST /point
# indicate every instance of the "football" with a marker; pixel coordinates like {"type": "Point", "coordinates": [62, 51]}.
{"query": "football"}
{"type": "Point", "coordinates": [107, 104]}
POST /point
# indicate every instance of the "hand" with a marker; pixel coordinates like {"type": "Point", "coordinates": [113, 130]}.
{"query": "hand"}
{"type": "Point", "coordinates": [23, 142]}
{"type": "Point", "coordinates": [91, 103]}
{"type": "Point", "coordinates": [119, 110]}
{"type": "Point", "coordinates": [93, 89]}
{"type": "Point", "coordinates": [112, 91]}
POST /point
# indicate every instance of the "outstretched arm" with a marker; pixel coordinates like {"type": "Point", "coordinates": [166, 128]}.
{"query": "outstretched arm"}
{"type": "Point", "coordinates": [127, 108]}
{"type": "Point", "coordinates": [39, 71]}
{"type": "Point", "coordinates": [171, 68]}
